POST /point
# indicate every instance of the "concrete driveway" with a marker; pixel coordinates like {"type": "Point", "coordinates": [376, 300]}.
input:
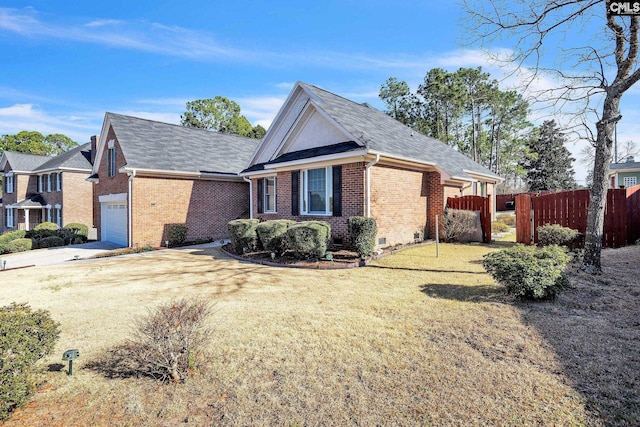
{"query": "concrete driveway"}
{"type": "Point", "coordinates": [57, 255]}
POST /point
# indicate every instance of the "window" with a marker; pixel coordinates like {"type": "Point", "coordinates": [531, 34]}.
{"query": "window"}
{"type": "Point", "coordinates": [111, 161]}
{"type": "Point", "coordinates": [9, 185]}
{"type": "Point", "coordinates": [54, 181]}
{"type": "Point", "coordinates": [59, 181]}
{"type": "Point", "coordinates": [57, 216]}
{"type": "Point", "coordinates": [9, 216]}
{"type": "Point", "coordinates": [630, 181]}
{"type": "Point", "coordinates": [483, 189]}
{"type": "Point", "coordinates": [317, 188]}
{"type": "Point", "coordinates": [48, 180]}
{"type": "Point", "coordinates": [49, 214]}
{"type": "Point", "coordinates": [270, 194]}
{"type": "Point", "coordinates": [39, 184]}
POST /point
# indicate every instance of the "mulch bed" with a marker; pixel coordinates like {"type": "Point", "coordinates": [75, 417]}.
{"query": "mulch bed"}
{"type": "Point", "coordinates": [340, 257]}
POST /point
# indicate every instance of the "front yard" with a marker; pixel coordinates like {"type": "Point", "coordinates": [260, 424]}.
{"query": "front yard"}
{"type": "Point", "coordinates": [411, 340]}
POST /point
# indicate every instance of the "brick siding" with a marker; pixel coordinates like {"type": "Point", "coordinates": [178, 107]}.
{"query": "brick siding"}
{"type": "Point", "coordinates": [205, 207]}
{"type": "Point", "coordinates": [353, 197]}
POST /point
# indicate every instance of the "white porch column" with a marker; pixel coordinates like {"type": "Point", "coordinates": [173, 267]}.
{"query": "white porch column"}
{"type": "Point", "coordinates": [26, 220]}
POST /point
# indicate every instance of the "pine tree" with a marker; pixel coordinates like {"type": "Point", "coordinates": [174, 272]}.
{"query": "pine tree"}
{"type": "Point", "coordinates": [548, 162]}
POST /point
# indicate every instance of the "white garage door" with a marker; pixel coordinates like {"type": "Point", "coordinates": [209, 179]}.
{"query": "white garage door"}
{"type": "Point", "coordinates": [114, 223]}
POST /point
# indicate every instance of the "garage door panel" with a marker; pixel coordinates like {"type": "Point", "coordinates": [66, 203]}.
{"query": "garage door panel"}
{"type": "Point", "coordinates": [114, 223]}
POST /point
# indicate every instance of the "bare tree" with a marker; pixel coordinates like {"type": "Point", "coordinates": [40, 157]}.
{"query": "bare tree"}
{"type": "Point", "coordinates": [593, 72]}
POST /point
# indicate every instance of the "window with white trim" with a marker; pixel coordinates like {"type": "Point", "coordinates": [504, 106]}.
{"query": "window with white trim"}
{"type": "Point", "coordinates": [59, 181]}
{"type": "Point", "coordinates": [39, 185]}
{"type": "Point", "coordinates": [49, 214]}
{"type": "Point", "coordinates": [270, 194]}
{"type": "Point", "coordinates": [630, 181]}
{"type": "Point", "coordinates": [317, 191]}
{"type": "Point", "coordinates": [111, 161]}
{"type": "Point", "coordinates": [57, 216]}
{"type": "Point", "coordinates": [9, 217]}
{"type": "Point", "coordinates": [9, 183]}
{"type": "Point", "coordinates": [48, 183]}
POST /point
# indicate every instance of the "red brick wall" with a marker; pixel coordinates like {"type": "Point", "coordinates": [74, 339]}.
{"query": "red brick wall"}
{"type": "Point", "coordinates": [353, 199]}
{"type": "Point", "coordinates": [108, 185]}
{"type": "Point", "coordinates": [204, 206]}
{"type": "Point", "coordinates": [435, 192]}
{"type": "Point", "coordinates": [398, 203]}
{"type": "Point", "coordinates": [76, 198]}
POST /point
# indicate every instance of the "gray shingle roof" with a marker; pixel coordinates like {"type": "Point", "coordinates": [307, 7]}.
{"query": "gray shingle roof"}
{"type": "Point", "coordinates": [25, 162]}
{"type": "Point", "coordinates": [624, 166]}
{"type": "Point", "coordinates": [148, 144]}
{"type": "Point", "coordinates": [76, 158]}
{"type": "Point", "coordinates": [384, 134]}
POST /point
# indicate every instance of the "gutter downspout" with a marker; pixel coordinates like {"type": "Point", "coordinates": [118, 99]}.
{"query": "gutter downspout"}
{"type": "Point", "coordinates": [368, 178]}
{"type": "Point", "coordinates": [129, 222]}
{"type": "Point", "coordinates": [250, 196]}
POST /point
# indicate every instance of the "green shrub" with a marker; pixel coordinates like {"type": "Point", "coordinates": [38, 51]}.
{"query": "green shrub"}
{"type": "Point", "coordinates": [243, 236]}
{"type": "Point", "coordinates": [19, 245]}
{"type": "Point", "coordinates": [43, 233]}
{"type": "Point", "coordinates": [46, 226]}
{"type": "Point", "coordinates": [74, 239]}
{"type": "Point", "coordinates": [458, 225]}
{"type": "Point", "coordinates": [10, 236]}
{"type": "Point", "coordinates": [270, 234]}
{"type": "Point", "coordinates": [50, 242]}
{"type": "Point", "coordinates": [172, 339]}
{"type": "Point", "coordinates": [308, 239]}
{"type": "Point", "coordinates": [26, 337]}
{"type": "Point", "coordinates": [76, 228]}
{"type": "Point", "coordinates": [177, 234]}
{"type": "Point", "coordinates": [529, 272]}
{"type": "Point", "coordinates": [556, 235]}
{"type": "Point", "coordinates": [362, 234]}
{"type": "Point", "coordinates": [510, 220]}
{"type": "Point", "coordinates": [499, 227]}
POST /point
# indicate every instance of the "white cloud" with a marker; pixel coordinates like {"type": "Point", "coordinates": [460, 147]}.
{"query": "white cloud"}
{"type": "Point", "coordinates": [19, 117]}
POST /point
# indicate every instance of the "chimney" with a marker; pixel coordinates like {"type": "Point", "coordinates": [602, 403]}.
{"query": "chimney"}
{"type": "Point", "coordinates": [93, 148]}
{"type": "Point", "coordinates": [630, 159]}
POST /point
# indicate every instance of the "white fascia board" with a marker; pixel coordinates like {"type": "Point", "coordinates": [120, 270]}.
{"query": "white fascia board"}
{"type": "Point", "coordinates": [180, 174]}
{"type": "Point", "coordinates": [329, 158]}
{"type": "Point", "coordinates": [443, 174]}
{"type": "Point", "coordinates": [62, 169]}
{"type": "Point", "coordinates": [489, 178]}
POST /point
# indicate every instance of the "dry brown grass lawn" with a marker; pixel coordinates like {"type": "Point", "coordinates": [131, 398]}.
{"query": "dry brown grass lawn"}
{"type": "Point", "coordinates": [411, 340]}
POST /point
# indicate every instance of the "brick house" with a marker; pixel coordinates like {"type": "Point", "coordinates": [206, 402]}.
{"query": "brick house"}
{"type": "Point", "coordinates": [148, 175]}
{"type": "Point", "coordinates": [46, 188]}
{"type": "Point", "coordinates": [328, 158]}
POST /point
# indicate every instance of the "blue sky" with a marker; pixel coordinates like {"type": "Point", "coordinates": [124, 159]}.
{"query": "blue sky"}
{"type": "Point", "coordinates": [66, 63]}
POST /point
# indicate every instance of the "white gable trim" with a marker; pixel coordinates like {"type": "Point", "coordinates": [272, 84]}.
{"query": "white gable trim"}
{"type": "Point", "coordinates": [102, 142]}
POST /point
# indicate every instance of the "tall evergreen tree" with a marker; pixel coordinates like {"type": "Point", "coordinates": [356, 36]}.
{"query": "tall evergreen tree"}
{"type": "Point", "coordinates": [548, 162]}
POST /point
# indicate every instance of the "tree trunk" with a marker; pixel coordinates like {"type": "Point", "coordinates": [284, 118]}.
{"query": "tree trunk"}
{"type": "Point", "coordinates": [598, 193]}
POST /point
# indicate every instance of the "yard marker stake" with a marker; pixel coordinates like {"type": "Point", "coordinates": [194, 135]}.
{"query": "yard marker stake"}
{"type": "Point", "coordinates": [437, 239]}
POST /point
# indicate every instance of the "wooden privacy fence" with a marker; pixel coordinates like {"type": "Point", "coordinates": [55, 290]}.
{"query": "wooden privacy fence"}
{"type": "Point", "coordinates": [475, 203]}
{"type": "Point", "coordinates": [569, 209]}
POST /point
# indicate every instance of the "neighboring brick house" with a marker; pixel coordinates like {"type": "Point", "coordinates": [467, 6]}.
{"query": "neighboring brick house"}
{"type": "Point", "coordinates": [328, 158]}
{"type": "Point", "coordinates": [149, 175]}
{"type": "Point", "coordinates": [46, 188]}
{"type": "Point", "coordinates": [626, 174]}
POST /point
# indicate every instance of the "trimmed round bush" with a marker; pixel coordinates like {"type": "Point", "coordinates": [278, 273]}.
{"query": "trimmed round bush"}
{"type": "Point", "coordinates": [362, 234]}
{"type": "Point", "coordinates": [177, 234]}
{"type": "Point", "coordinates": [50, 242]}
{"type": "Point", "coordinates": [499, 227]}
{"type": "Point", "coordinates": [42, 233]}
{"type": "Point", "coordinates": [308, 239]}
{"type": "Point", "coordinates": [270, 234]}
{"type": "Point", "coordinates": [46, 226]}
{"type": "Point", "coordinates": [510, 220]}
{"type": "Point", "coordinates": [26, 337]}
{"type": "Point", "coordinates": [10, 236]}
{"type": "Point", "coordinates": [556, 235]}
{"type": "Point", "coordinates": [75, 239]}
{"type": "Point", "coordinates": [529, 272]}
{"type": "Point", "coordinates": [19, 245]}
{"type": "Point", "coordinates": [76, 228]}
{"type": "Point", "coordinates": [243, 236]}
